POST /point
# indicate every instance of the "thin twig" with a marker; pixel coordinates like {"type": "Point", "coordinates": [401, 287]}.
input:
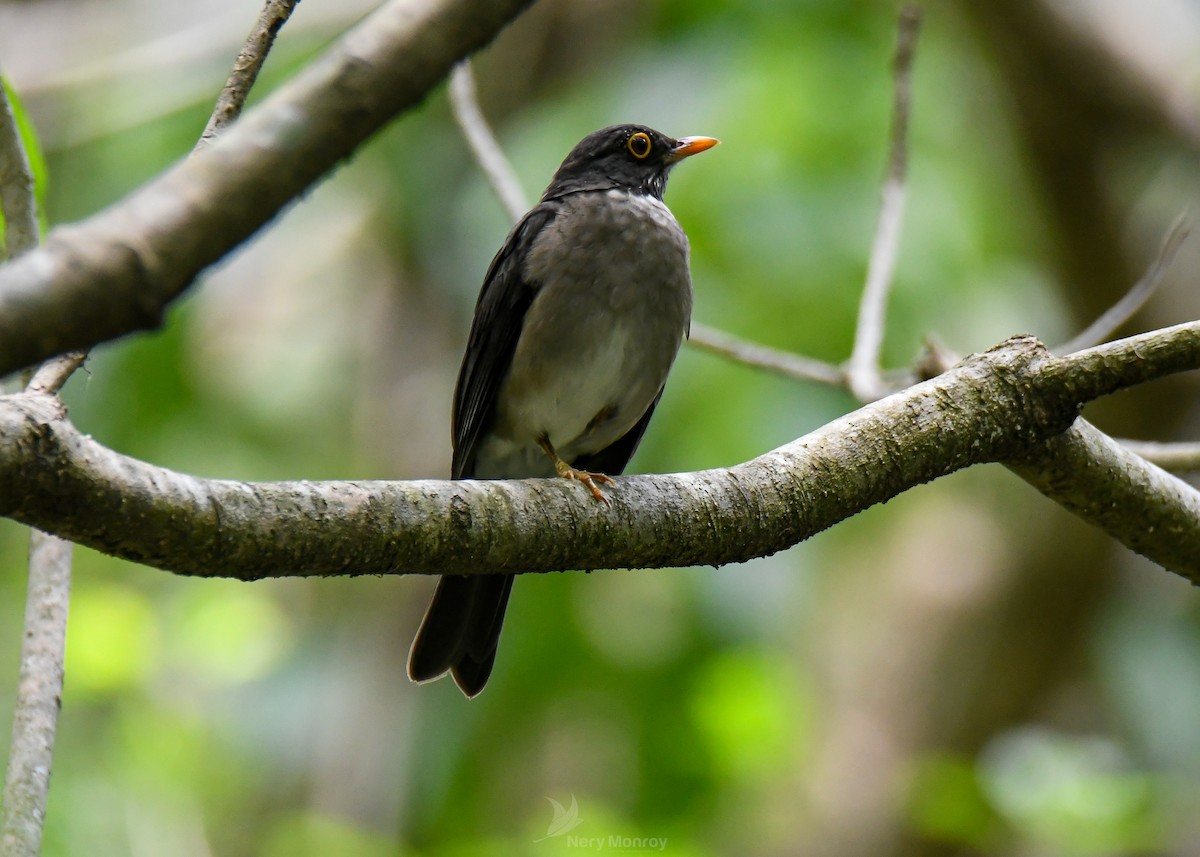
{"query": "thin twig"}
{"type": "Point", "coordinates": [764, 357]}
{"type": "Point", "coordinates": [247, 66]}
{"type": "Point", "coordinates": [39, 695]}
{"type": "Point", "coordinates": [16, 185]}
{"type": "Point", "coordinates": [1174, 457]}
{"type": "Point", "coordinates": [1107, 324]}
{"type": "Point", "coordinates": [54, 373]}
{"type": "Point", "coordinates": [863, 371]}
{"type": "Point", "coordinates": [464, 101]}
{"type": "Point", "coordinates": [39, 688]}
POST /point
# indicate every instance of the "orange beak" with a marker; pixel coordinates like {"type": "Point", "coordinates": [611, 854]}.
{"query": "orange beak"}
{"type": "Point", "coordinates": [685, 147]}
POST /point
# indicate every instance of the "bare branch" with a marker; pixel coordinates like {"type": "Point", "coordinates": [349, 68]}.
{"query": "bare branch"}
{"type": "Point", "coordinates": [16, 185]}
{"type": "Point", "coordinates": [53, 374]}
{"type": "Point", "coordinates": [39, 687]}
{"type": "Point", "coordinates": [1099, 480]}
{"type": "Point", "coordinates": [1123, 310]}
{"type": "Point", "coordinates": [39, 693]}
{"type": "Point", "coordinates": [1123, 363]}
{"type": "Point", "coordinates": [992, 407]}
{"type": "Point", "coordinates": [246, 67]}
{"type": "Point", "coordinates": [1173, 457]}
{"type": "Point", "coordinates": [764, 357]}
{"type": "Point", "coordinates": [51, 377]}
{"type": "Point", "coordinates": [116, 271]}
{"type": "Point", "coordinates": [863, 367]}
{"type": "Point", "coordinates": [475, 129]}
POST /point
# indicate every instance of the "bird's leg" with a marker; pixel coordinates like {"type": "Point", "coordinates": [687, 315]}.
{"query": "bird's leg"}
{"type": "Point", "coordinates": [566, 471]}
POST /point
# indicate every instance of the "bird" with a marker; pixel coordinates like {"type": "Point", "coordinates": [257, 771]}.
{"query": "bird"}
{"type": "Point", "coordinates": [581, 314]}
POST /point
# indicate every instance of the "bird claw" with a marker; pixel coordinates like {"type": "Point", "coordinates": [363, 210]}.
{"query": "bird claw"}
{"type": "Point", "coordinates": [587, 478]}
{"type": "Point", "coordinates": [566, 471]}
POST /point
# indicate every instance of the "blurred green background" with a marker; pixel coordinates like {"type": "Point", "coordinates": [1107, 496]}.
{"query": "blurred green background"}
{"type": "Point", "coordinates": [966, 670]}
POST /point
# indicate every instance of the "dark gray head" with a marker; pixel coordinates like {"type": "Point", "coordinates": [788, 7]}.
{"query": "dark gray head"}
{"type": "Point", "coordinates": [629, 157]}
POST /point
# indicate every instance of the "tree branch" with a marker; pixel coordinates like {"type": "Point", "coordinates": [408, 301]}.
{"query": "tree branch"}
{"type": "Point", "coordinates": [1100, 481]}
{"type": "Point", "coordinates": [1133, 300]}
{"type": "Point", "coordinates": [115, 272]}
{"type": "Point", "coordinates": [1175, 457]}
{"type": "Point", "coordinates": [39, 696]}
{"type": "Point", "coordinates": [795, 366]}
{"type": "Point", "coordinates": [862, 370]}
{"type": "Point", "coordinates": [992, 407]}
{"type": "Point", "coordinates": [17, 196]}
{"type": "Point", "coordinates": [464, 101]}
{"type": "Point", "coordinates": [43, 645]}
{"type": "Point", "coordinates": [246, 67]}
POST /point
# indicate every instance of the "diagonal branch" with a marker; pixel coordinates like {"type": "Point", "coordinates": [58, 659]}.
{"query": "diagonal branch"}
{"type": "Point", "coordinates": [464, 101]}
{"type": "Point", "coordinates": [17, 196]}
{"type": "Point", "coordinates": [992, 407]}
{"type": "Point", "coordinates": [246, 67]}
{"type": "Point", "coordinates": [1095, 477]}
{"type": "Point", "coordinates": [116, 272]}
{"type": "Point", "coordinates": [1133, 300]}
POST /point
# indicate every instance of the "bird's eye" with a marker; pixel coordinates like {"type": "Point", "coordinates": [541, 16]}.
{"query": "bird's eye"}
{"type": "Point", "coordinates": [639, 145]}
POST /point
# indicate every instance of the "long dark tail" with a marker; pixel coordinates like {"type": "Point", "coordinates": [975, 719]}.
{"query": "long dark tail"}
{"type": "Point", "coordinates": [461, 630]}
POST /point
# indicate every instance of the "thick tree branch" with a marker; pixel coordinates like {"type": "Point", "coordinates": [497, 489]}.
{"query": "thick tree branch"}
{"type": "Point", "coordinates": [1100, 481]}
{"type": "Point", "coordinates": [115, 272]}
{"type": "Point", "coordinates": [1123, 363]}
{"type": "Point", "coordinates": [992, 407]}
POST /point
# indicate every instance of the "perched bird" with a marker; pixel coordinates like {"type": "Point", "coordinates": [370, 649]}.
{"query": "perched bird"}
{"type": "Point", "coordinates": [579, 320]}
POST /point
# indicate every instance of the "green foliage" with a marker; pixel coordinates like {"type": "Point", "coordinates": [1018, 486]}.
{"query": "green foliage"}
{"type": "Point", "coordinates": [948, 803]}
{"type": "Point", "coordinates": [313, 836]}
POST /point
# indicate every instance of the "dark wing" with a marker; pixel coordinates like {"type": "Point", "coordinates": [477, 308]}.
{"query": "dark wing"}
{"type": "Point", "coordinates": [613, 458]}
{"type": "Point", "coordinates": [499, 317]}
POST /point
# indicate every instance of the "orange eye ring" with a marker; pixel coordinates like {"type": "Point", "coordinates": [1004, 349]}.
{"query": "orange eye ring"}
{"type": "Point", "coordinates": [639, 145]}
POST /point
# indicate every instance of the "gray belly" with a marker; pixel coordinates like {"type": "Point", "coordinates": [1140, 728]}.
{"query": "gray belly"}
{"type": "Point", "coordinates": [599, 338]}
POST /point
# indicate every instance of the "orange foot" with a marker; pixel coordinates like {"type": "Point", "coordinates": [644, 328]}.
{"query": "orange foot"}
{"type": "Point", "coordinates": [586, 477]}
